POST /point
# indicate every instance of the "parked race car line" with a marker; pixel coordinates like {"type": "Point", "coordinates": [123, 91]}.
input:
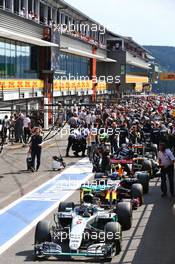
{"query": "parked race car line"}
{"type": "Point", "coordinates": [23, 214]}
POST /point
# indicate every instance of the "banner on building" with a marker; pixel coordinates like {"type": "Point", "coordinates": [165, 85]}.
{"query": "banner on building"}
{"type": "Point", "coordinates": [136, 79]}
{"type": "Point", "coordinates": [72, 85]}
{"type": "Point", "coordinates": [167, 76]}
{"type": "Point", "coordinates": [21, 84]}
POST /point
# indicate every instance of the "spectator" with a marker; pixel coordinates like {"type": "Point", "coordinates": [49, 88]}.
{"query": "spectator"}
{"type": "Point", "coordinates": [12, 127]}
{"type": "Point", "coordinates": [5, 127]}
{"type": "Point", "coordinates": [73, 121]}
{"type": "Point", "coordinates": [45, 21]}
{"type": "Point", "coordinates": [22, 12]}
{"type": "Point", "coordinates": [27, 127]}
{"type": "Point", "coordinates": [19, 129]}
{"type": "Point", "coordinates": [30, 16]}
{"type": "Point", "coordinates": [88, 118]}
{"type": "Point", "coordinates": [36, 18]}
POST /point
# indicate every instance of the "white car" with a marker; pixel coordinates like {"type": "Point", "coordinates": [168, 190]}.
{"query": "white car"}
{"type": "Point", "coordinates": [85, 230]}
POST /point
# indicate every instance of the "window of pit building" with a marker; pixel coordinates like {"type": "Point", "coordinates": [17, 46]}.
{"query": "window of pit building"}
{"type": "Point", "coordinates": [30, 6]}
{"type": "Point", "coordinates": [8, 4]}
{"type": "Point", "coordinates": [82, 29]}
{"type": "Point", "coordinates": [87, 31]}
{"type": "Point", "coordinates": [58, 17]}
{"type": "Point", "coordinates": [62, 19]}
{"type": "Point", "coordinates": [102, 38]}
{"type": "Point", "coordinates": [42, 7]}
{"type": "Point", "coordinates": [66, 20]}
{"type": "Point", "coordinates": [93, 34]}
{"type": "Point", "coordinates": [15, 60]}
{"type": "Point", "coordinates": [16, 6]}
{"type": "Point", "coordinates": [122, 69]}
{"type": "Point", "coordinates": [22, 4]}
{"type": "Point", "coordinates": [74, 66]}
{"type": "Point", "coordinates": [74, 23]}
{"type": "Point", "coordinates": [99, 37]}
{"type": "Point", "coordinates": [54, 17]}
{"type": "Point", "coordinates": [1, 4]}
{"type": "Point", "coordinates": [49, 13]}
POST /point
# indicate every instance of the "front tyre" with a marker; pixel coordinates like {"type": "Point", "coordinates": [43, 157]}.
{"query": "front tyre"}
{"type": "Point", "coordinates": [42, 232]}
{"type": "Point", "coordinates": [124, 212]}
{"type": "Point", "coordinates": [113, 233]}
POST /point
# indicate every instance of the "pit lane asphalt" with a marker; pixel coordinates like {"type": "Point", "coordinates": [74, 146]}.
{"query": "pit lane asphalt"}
{"type": "Point", "coordinates": [15, 180]}
{"type": "Point", "coordinates": [149, 241]}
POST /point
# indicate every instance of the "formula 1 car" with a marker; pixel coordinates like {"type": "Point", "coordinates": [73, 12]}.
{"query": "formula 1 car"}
{"type": "Point", "coordinates": [129, 172]}
{"type": "Point", "coordinates": [84, 230]}
{"type": "Point", "coordinates": [137, 165]}
{"type": "Point", "coordinates": [112, 191]}
{"type": "Point", "coordinates": [140, 159]}
{"type": "Point", "coordinates": [150, 149]}
{"type": "Point", "coordinates": [145, 159]}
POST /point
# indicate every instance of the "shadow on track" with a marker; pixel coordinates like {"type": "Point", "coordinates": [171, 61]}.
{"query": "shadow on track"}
{"type": "Point", "coordinates": [151, 240]}
{"type": "Point", "coordinates": [30, 257]}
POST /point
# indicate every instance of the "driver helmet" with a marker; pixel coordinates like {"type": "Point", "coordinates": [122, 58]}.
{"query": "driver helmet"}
{"type": "Point", "coordinates": [124, 146]}
{"type": "Point", "coordinates": [88, 198]}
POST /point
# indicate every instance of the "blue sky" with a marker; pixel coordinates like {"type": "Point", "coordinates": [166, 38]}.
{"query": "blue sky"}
{"type": "Point", "coordinates": [149, 22]}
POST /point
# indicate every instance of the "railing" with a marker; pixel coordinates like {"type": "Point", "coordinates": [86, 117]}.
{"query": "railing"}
{"type": "Point", "coordinates": [54, 25]}
{"type": "Point", "coordinates": [135, 54]}
{"type": "Point", "coordinates": [19, 14]}
{"type": "Point", "coordinates": [85, 38]}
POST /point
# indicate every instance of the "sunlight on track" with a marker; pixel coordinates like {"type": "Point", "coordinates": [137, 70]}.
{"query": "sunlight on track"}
{"type": "Point", "coordinates": [132, 238]}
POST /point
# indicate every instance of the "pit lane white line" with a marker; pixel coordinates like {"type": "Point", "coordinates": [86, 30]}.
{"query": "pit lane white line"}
{"type": "Point", "coordinates": [42, 195]}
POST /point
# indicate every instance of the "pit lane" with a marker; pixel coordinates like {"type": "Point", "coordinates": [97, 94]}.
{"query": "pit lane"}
{"type": "Point", "coordinates": [149, 241]}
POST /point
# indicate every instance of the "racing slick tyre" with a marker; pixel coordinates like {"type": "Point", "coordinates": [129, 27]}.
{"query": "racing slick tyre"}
{"type": "Point", "coordinates": [63, 206]}
{"type": "Point", "coordinates": [124, 212]}
{"type": "Point", "coordinates": [147, 166]}
{"type": "Point", "coordinates": [155, 168]}
{"type": "Point", "coordinates": [143, 178]}
{"type": "Point", "coordinates": [42, 232]}
{"type": "Point", "coordinates": [137, 192]}
{"type": "Point", "coordinates": [154, 151]}
{"type": "Point", "coordinates": [113, 234]}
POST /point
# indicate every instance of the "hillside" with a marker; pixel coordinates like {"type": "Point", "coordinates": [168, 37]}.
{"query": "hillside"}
{"type": "Point", "coordinates": [165, 56]}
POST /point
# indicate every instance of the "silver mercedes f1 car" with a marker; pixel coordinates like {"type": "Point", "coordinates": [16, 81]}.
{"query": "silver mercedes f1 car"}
{"type": "Point", "coordinates": [85, 230]}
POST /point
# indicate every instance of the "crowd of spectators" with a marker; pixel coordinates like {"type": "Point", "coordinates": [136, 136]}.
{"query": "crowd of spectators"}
{"type": "Point", "coordinates": [18, 127]}
{"type": "Point", "coordinates": [34, 17]}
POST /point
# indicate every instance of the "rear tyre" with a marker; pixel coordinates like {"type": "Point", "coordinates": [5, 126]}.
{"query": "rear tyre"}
{"type": "Point", "coordinates": [147, 166]}
{"type": "Point", "coordinates": [63, 206]}
{"type": "Point", "coordinates": [137, 192]}
{"type": "Point", "coordinates": [113, 232]}
{"type": "Point", "coordinates": [124, 212]}
{"type": "Point", "coordinates": [143, 178]}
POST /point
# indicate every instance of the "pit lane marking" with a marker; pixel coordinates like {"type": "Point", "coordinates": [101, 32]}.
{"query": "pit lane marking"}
{"type": "Point", "coordinates": [22, 215]}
